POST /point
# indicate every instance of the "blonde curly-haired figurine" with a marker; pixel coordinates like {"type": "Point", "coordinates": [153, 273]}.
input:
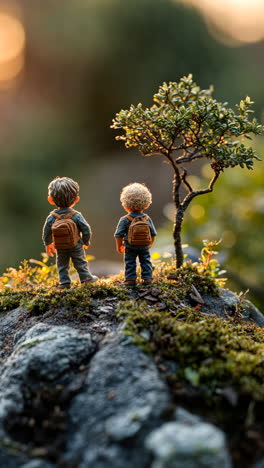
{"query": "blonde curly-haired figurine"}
{"type": "Point", "coordinates": [135, 232]}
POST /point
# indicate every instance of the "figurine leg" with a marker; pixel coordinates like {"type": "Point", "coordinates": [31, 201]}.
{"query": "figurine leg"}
{"type": "Point", "coordinates": [145, 263]}
{"type": "Point", "coordinates": [130, 264]}
{"type": "Point", "coordinates": [63, 262]}
{"type": "Point", "coordinates": [81, 264]}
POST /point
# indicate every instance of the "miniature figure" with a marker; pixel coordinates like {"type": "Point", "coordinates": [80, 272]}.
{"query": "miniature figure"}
{"type": "Point", "coordinates": [135, 233]}
{"type": "Point", "coordinates": [66, 232]}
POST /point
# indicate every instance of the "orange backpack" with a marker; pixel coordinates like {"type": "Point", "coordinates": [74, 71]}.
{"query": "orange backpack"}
{"type": "Point", "coordinates": [65, 234]}
{"type": "Point", "coordinates": [139, 231]}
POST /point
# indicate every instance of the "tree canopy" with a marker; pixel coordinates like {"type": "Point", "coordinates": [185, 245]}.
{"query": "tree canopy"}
{"type": "Point", "coordinates": [185, 124]}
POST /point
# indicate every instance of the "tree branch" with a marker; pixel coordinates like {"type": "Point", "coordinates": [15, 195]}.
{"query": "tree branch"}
{"type": "Point", "coordinates": [184, 180]}
{"type": "Point", "coordinates": [153, 153]}
{"type": "Point", "coordinates": [190, 157]}
{"type": "Point", "coordinates": [196, 134]}
{"type": "Point", "coordinates": [153, 138]}
{"type": "Point", "coordinates": [176, 181]}
{"type": "Point", "coordinates": [195, 193]}
{"type": "Point", "coordinates": [176, 133]}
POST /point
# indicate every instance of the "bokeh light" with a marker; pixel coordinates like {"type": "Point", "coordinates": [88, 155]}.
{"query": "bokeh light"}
{"type": "Point", "coordinates": [12, 44]}
{"type": "Point", "coordinates": [233, 21]}
{"type": "Point", "coordinates": [229, 239]}
{"type": "Point", "coordinates": [197, 211]}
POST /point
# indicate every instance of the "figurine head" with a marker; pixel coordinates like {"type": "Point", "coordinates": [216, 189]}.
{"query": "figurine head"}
{"type": "Point", "coordinates": [63, 192]}
{"type": "Point", "coordinates": [135, 197]}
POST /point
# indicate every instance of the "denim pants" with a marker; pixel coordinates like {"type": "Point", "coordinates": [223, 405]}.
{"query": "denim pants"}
{"type": "Point", "coordinates": [77, 255]}
{"type": "Point", "coordinates": [144, 260]}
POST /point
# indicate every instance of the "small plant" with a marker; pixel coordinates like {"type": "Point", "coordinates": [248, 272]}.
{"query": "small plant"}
{"type": "Point", "coordinates": [29, 274]}
{"type": "Point", "coordinates": [32, 273]}
{"type": "Point", "coordinates": [186, 124]}
{"type": "Point", "coordinates": [210, 265]}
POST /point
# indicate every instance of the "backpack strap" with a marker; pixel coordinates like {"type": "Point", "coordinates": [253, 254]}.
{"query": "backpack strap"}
{"type": "Point", "coordinates": [63, 216]}
{"type": "Point", "coordinates": [135, 217]}
{"type": "Point", "coordinates": [56, 215]}
{"type": "Point", "coordinates": [68, 215]}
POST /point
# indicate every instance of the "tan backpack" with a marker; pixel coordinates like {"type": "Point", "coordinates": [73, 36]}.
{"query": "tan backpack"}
{"type": "Point", "coordinates": [139, 231]}
{"type": "Point", "coordinates": [65, 234]}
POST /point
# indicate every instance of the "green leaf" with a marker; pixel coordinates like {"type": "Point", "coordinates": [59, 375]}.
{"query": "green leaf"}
{"type": "Point", "coordinates": [192, 376]}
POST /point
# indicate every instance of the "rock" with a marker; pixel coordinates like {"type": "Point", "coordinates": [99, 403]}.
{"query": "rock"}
{"type": "Point", "coordinates": [183, 416]}
{"type": "Point", "coordinates": [105, 309]}
{"type": "Point", "coordinates": [253, 313]}
{"type": "Point", "coordinates": [10, 322]}
{"type": "Point", "coordinates": [260, 464]}
{"type": "Point", "coordinates": [151, 298]}
{"type": "Point", "coordinates": [227, 302]}
{"type": "Point", "coordinates": [47, 353]}
{"type": "Point", "coordinates": [145, 334]}
{"type": "Point", "coordinates": [230, 394]}
{"type": "Point", "coordinates": [83, 404]}
{"type": "Point", "coordinates": [195, 295]}
{"type": "Point", "coordinates": [128, 424]}
{"type": "Point", "coordinates": [187, 445]}
{"type": "Point", "coordinates": [144, 292]}
{"type": "Point", "coordinates": [229, 298]}
{"type": "Point", "coordinates": [123, 398]}
{"type": "Point", "coordinates": [9, 319]}
{"type": "Point", "coordinates": [38, 463]}
{"type": "Point", "coordinates": [10, 457]}
{"type": "Point", "coordinates": [45, 360]}
{"type": "Point", "coordinates": [156, 292]}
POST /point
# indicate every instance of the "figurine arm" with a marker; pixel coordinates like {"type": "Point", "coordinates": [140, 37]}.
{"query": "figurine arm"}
{"type": "Point", "coordinates": [84, 229]}
{"type": "Point", "coordinates": [153, 231]}
{"type": "Point", "coordinates": [119, 244]}
{"type": "Point", "coordinates": [46, 232]}
{"type": "Point", "coordinates": [120, 234]}
{"type": "Point", "coordinates": [50, 249]}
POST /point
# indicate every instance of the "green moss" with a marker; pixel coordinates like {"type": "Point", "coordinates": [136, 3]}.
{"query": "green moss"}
{"type": "Point", "coordinates": [211, 353]}
{"type": "Point", "coordinates": [33, 343]}
{"type": "Point", "coordinates": [38, 300]}
{"type": "Point", "coordinates": [184, 278]}
{"type": "Point", "coordinates": [9, 300]}
{"type": "Point", "coordinates": [13, 447]}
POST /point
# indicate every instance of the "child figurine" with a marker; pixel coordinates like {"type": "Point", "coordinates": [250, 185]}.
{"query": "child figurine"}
{"type": "Point", "coordinates": [135, 233]}
{"type": "Point", "coordinates": [66, 232]}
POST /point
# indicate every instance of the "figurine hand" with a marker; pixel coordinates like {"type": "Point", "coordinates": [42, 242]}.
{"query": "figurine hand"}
{"type": "Point", "coordinates": [121, 249]}
{"type": "Point", "coordinates": [86, 246]}
{"type": "Point", "coordinates": [50, 249]}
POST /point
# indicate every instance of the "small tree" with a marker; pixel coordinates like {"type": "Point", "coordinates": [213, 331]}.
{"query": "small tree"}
{"type": "Point", "coordinates": [187, 124]}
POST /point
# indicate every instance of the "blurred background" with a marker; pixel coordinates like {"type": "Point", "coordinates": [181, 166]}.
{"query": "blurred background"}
{"type": "Point", "coordinates": [67, 67]}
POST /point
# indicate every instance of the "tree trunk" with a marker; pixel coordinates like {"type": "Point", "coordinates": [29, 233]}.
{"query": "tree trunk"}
{"type": "Point", "coordinates": [177, 236]}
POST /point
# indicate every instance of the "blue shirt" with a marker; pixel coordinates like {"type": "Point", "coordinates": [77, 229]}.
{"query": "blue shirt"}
{"type": "Point", "coordinates": [124, 223]}
{"type": "Point", "coordinates": [82, 225]}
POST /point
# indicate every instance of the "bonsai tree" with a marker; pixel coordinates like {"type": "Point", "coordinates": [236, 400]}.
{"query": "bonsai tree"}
{"type": "Point", "coordinates": [186, 124]}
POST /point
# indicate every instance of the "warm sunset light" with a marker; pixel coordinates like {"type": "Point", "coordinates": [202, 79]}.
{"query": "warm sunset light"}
{"type": "Point", "coordinates": [239, 20]}
{"type": "Point", "coordinates": [12, 43]}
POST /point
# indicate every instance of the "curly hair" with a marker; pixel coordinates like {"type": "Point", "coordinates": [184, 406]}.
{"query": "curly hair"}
{"type": "Point", "coordinates": [64, 191]}
{"type": "Point", "coordinates": [135, 197]}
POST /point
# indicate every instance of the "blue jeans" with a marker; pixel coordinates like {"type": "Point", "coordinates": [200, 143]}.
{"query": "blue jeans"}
{"type": "Point", "coordinates": [130, 263]}
{"type": "Point", "coordinates": [77, 255]}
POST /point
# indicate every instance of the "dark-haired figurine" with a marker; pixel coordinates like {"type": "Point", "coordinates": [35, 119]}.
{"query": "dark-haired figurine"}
{"type": "Point", "coordinates": [66, 232]}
